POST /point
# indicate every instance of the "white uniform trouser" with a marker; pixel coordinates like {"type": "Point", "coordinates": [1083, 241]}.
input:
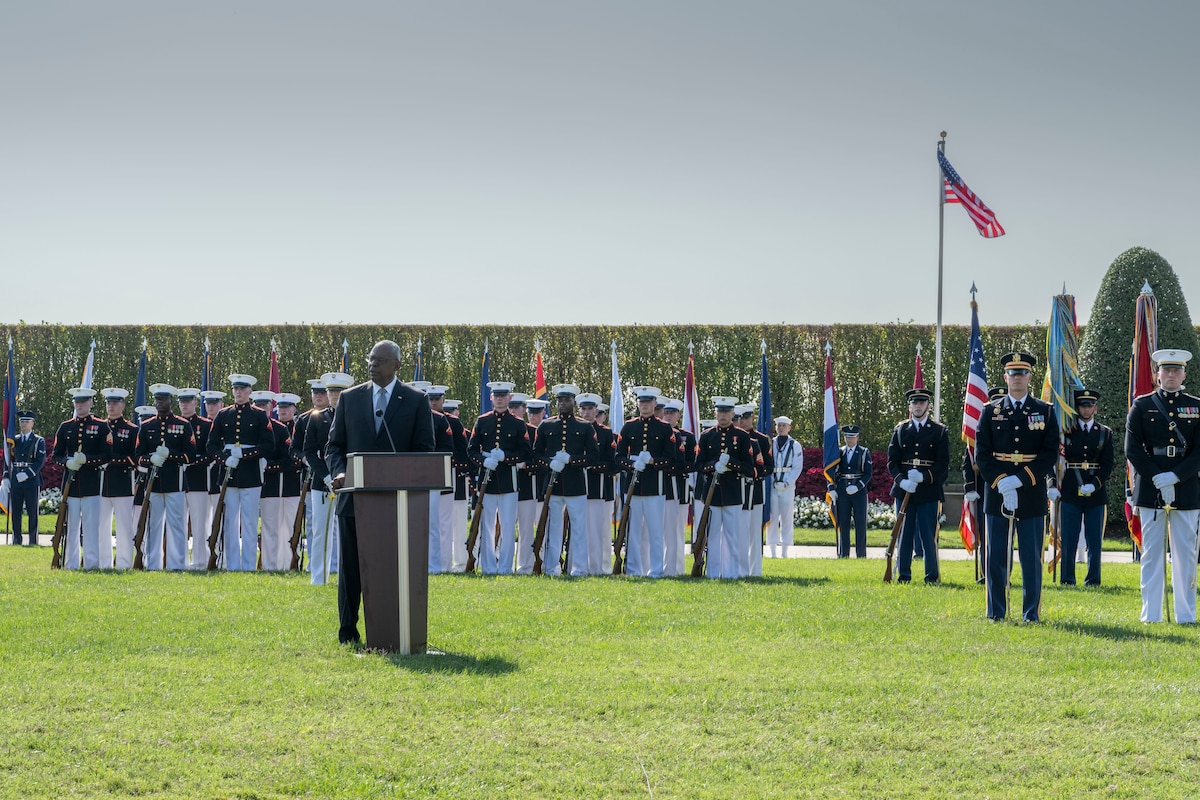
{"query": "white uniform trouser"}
{"type": "Point", "coordinates": [781, 531]}
{"type": "Point", "coordinates": [726, 532]}
{"type": "Point", "coordinates": [458, 536]}
{"type": "Point", "coordinates": [743, 544]}
{"type": "Point", "coordinates": [270, 510]}
{"type": "Point", "coordinates": [445, 525]}
{"type": "Point", "coordinates": [199, 514]}
{"type": "Point", "coordinates": [599, 534]}
{"type": "Point", "coordinates": [436, 564]}
{"type": "Point", "coordinates": [577, 555]}
{"type": "Point", "coordinates": [120, 510]}
{"type": "Point", "coordinates": [320, 543]}
{"type": "Point", "coordinates": [1183, 563]}
{"type": "Point", "coordinates": [167, 520]}
{"type": "Point", "coordinates": [755, 533]}
{"type": "Point", "coordinates": [492, 562]}
{"type": "Point", "coordinates": [83, 518]}
{"type": "Point", "coordinates": [644, 549]}
{"type": "Point", "coordinates": [288, 508]}
{"type": "Point", "coordinates": [672, 538]}
{"type": "Point", "coordinates": [528, 512]}
{"type": "Point", "coordinates": [239, 529]}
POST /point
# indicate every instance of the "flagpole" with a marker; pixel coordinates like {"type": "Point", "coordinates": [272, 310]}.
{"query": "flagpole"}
{"type": "Point", "coordinates": [937, 361]}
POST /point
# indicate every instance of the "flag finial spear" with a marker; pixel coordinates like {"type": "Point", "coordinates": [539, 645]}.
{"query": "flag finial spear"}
{"type": "Point", "coordinates": [207, 344]}
{"type": "Point", "coordinates": [764, 347]}
{"type": "Point", "coordinates": [828, 348]}
{"type": "Point", "coordinates": [1064, 287]}
{"type": "Point", "coordinates": [144, 343]}
{"type": "Point", "coordinates": [1146, 288]}
{"type": "Point", "coordinates": [273, 345]}
{"type": "Point", "coordinates": [918, 348]}
{"type": "Point", "coordinates": [345, 344]}
{"type": "Point", "coordinates": [689, 347]}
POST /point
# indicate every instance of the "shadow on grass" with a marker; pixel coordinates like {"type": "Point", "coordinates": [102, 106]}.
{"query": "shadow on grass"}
{"type": "Point", "coordinates": [1123, 633]}
{"type": "Point", "coordinates": [437, 662]}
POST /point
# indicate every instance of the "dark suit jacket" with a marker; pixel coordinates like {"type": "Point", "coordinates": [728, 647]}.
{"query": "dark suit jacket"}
{"type": "Point", "coordinates": [409, 421]}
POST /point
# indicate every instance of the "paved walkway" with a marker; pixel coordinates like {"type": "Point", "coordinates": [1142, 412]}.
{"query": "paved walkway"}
{"type": "Point", "coordinates": [945, 554]}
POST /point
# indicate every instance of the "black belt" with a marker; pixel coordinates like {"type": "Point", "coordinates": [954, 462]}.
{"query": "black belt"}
{"type": "Point", "coordinates": [1170, 452]}
{"type": "Point", "coordinates": [918, 462]}
{"type": "Point", "coordinates": [850, 476]}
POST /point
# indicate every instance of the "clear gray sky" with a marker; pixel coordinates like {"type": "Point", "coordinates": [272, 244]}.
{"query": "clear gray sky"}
{"type": "Point", "coordinates": [594, 162]}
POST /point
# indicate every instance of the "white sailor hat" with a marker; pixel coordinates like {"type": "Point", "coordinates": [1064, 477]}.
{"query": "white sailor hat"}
{"type": "Point", "coordinates": [316, 385]}
{"type": "Point", "coordinates": [80, 393]}
{"type": "Point", "coordinates": [1171, 358]}
{"type": "Point", "coordinates": [726, 403]}
{"type": "Point", "coordinates": [287, 399]}
{"type": "Point", "coordinates": [782, 420]}
{"type": "Point", "coordinates": [437, 391]}
{"type": "Point", "coordinates": [534, 405]}
{"type": "Point", "coordinates": [501, 387]}
{"type": "Point", "coordinates": [517, 398]}
{"type": "Point", "coordinates": [647, 392]}
{"type": "Point", "coordinates": [588, 399]}
{"type": "Point", "coordinates": [262, 396]}
{"type": "Point", "coordinates": [162, 388]}
{"type": "Point", "coordinates": [113, 393]}
{"type": "Point", "coordinates": [146, 411]}
{"type": "Point", "coordinates": [212, 395]}
{"type": "Point", "coordinates": [450, 405]}
{"type": "Point", "coordinates": [238, 379]}
{"type": "Point", "coordinates": [337, 380]}
{"type": "Point", "coordinates": [563, 389]}
{"type": "Point", "coordinates": [188, 393]}
{"type": "Point", "coordinates": [420, 386]}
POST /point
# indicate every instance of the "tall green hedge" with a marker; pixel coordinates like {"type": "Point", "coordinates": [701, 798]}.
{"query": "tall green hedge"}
{"type": "Point", "coordinates": [873, 364]}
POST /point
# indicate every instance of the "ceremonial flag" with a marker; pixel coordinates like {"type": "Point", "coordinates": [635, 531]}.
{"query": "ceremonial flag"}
{"type": "Point", "coordinates": [346, 356]}
{"type": "Point", "coordinates": [10, 403]}
{"type": "Point", "coordinates": [765, 422]}
{"type": "Point", "coordinates": [616, 404]}
{"type": "Point", "coordinates": [206, 371]}
{"type": "Point", "coordinates": [948, 195]}
{"type": "Point", "coordinates": [1062, 361]}
{"type": "Point", "coordinates": [833, 452]}
{"type": "Point", "coordinates": [539, 376]}
{"type": "Point", "coordinates": [918, 373]}
{"type": "Point", "coordinates": [980, 214]}
{"type": "Point", "coordinates": [139, 391]}
{"type": "Point", "coordinates": [273, 383]}
{"type": "Point", "coordinates": [485, 394]}
{"type": "Point", "coordinates": [89, 368]}
{"type": "Point", "coordinates": [1141, 381]}
{"type": "Point", "coordinates": [419, 367]}
{"type": "Point", "coordinates": [691, 400]}
{"type": "Point", "coordinates": [975, 400]}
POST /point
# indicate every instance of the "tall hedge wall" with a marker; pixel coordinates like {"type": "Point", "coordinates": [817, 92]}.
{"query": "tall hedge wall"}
{"type": "Point", "coordinates": [873, 364]}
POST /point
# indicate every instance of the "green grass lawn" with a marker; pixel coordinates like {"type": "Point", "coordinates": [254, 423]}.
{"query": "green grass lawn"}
{"type": "Point", "coordinates": [816, 680]}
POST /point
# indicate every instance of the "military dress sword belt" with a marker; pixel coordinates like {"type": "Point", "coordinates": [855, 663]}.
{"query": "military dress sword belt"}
{"type": "Point", "coordinates": [1084, 465]}
{"type": "Point", "coordinates": [1015, 458]}
{"type": "Point", "coordinates": [918, 462]}
{"type": "Point", "coordinates": [850, 476]}
{"type": "Point", "coordinates": [1171, 451]}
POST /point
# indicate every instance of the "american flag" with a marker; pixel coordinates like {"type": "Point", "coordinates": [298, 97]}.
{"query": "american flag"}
{"type": "Point", "coordinates": [976, 398]}
{"type": "Point", "coordinates": [980, 214]}
{"type": "Point", "coordinates": [948, 194]}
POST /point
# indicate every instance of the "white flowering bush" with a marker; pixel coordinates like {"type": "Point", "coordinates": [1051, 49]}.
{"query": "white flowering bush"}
{"type": "Point", "coordinates": [813, 512]}
{"type": "Point", "coordinates": [49, 500]}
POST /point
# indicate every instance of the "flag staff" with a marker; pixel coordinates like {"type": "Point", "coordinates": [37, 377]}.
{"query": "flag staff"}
{"type": "Point", "coordinates": [937, 361]}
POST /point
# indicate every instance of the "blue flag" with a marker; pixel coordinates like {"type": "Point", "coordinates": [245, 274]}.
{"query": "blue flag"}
{"type": "Point", "coordinates": [833, 453]}
{"type": "Point", "coordinates": [485, 394]}
{"type": "Point", "coordinates": [139, 394]}
{"type": "Point", "coordinates": [205, 372]}
{"type": "Point", "coordinates": [765, 423]}
{"type": "Point", "coordinates": [10, 400]}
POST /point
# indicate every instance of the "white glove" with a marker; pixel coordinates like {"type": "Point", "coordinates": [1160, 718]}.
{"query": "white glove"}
{"type": "Point", "coordinates": [1168, 495]}
{"type": "Point", "coordinates": [638, 464]}
{"type": "Point", "coordinates": [232, 462]}
{"type": "Point", "coordinates": [908, 486]}
{"type": "Point", "coordinates": [723, 459]}
{"type": "Point", "coordinates": [79, 458]}
{"type": "Point", "coordinates": [235, 450]}
{"type": "Point", "coordinates": [1009, 483]}
{"type": "Point", "coordinates": [833, 496]}
{"type": "Point", "coordinates": [556, 465]}
{"type": "Point", "coordinates": [162, 450]}
{"type": "Point", "coordinates": [915, 475]}
{"type": "Point", "coordinates": [1053, 494]}
{"type": "Point", "coordinates": [491, 462]}
{"type": "Point", "coordinates": [1163, 479]}
{"type": "Point", "coordinates": [971, 497]}
{"type": "Point", "coordinates": [157, 459]}
{"type": "Point", "coordinates": [852, 489]}
{"type": "Point", "coordinates": [21, 478]}
{"type": "Point", "coordinates": [563, 456]}
{"type": "Point", "coordinates": [1010, 500]}
{"type": "Point", "coordinates": [645, 457]}
{"type": "Point", "coordinates": [497, 454]}
{"type": "Point", "coordinates": [1086, 490]}
{"type": "Point", "coordinates": [75, 462]}
{"type": "Point", "coordinates": [329, 482]}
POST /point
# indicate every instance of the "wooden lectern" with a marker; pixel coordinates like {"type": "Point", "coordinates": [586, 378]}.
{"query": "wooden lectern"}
{"type": "Point", "coordinates": [391, 510]}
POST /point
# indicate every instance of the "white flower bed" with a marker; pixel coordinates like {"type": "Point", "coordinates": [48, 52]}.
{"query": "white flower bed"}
{"type": "Point", "coordinates": [49, 501]}
{"type": "Point", "coordinates": [813, 512]}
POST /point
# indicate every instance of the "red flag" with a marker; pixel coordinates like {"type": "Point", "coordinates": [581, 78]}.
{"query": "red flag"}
{"type": "Point", "coordinates": [966, 526]}
{"type": "Point", "coordinates": [1141, 381]}
{"type": "Point", "coordinates": [918, 373]}
{"type": "Point", "coordinates": [539, 378]}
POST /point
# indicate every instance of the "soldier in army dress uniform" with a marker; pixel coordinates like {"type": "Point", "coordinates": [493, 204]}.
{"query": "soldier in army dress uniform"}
{"type": "Point", "coordinates": [919, 463]}
{"type": "Point", "coordinates": [1088, 450]}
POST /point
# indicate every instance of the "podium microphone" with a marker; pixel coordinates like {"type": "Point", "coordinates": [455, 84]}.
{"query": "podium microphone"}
{"type": "Point", "coordinates": [386, 429]}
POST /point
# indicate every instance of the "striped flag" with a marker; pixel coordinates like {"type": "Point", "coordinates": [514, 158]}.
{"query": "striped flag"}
{"type": "Point", "coordinates": [833, 453]}
{"type": "Point", "coordinates": [691, 400]}
{"type": "Point", "coordinates": [975, 400]}
{"type": "Point", "coordinates": [948, 195]}
{"type": "Point", "coordinates": [89, 368]}
{"type": "Point", "coordinates": [1141, 381]}
{"type": "Point", "coordinates": [539, 376]}
{"type": "Point", "coordinates": [10, 404]}
{"type": "Point", "coordinates": [980, 214]}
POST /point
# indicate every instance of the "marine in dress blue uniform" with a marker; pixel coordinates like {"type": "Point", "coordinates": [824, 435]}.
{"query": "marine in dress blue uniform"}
{"type": "Point", "coordinates": [196, 479]}
{"type": "Point", "coordinates": [83, 444]}
{"type": "Point", "coordinates": [851, 480]}
{"type": "Point", "coordinates": [462, 478]}
{"type": "Point", "coordinates": [1162, 442]}
{"type": "Point", "coordinates": [599, 487]}
{"type": "Point", "coordinates": [24, 475]}
{"type": "Point", "coordinates": [117, 484]}
{"type": "Point", "coordinates": [675, 522]}
{"type": "Point", "coordinates": [168, 441]}
{"type": "Point", "coordinates": [1016, 447]}
{"type": "Point", "coordinates": [1088, 450]}
{"type": "Point", "coordinates": [566, 446]}
{"type": "Point", "coordinates": [499, 444]}
{"type": "Point", "coordinates": [919, 463]}
{"type": "Point", "coordinates": [282, 476]}
{"type": "Point", "coordinates": [726, 455]}
{"type": "Point", "coordinates": [646, 449]}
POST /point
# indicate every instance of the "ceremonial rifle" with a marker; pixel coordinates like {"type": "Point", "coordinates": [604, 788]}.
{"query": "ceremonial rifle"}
{"type": "Point", "coordinates": [57, 543]}
{"type": "Point", "coordinates": [891, 551]}
{"type": "Point", "coordinates": [623, 527]}
{"type": "Point", "coordinates": [214, 538]}
{"type": "Point", "coordinates": [476, 518]}
{"type": "Point", "coordinates": [539, 540]}
{"type": "Point", "coordinates": [143, 517]}
{"type": "Point", "coordinates": [700, 535]}
{"type": "Point", "coordinates": [298, 523]}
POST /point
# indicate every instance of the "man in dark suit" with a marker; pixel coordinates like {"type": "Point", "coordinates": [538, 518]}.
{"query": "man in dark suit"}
{"type": "Point", "coordinates": [380, 416]}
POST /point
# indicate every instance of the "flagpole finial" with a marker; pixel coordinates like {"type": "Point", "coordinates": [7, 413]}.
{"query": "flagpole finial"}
{"type": "Point", "coordinates": [144, 343]}
{"type": "Point", "coordinates": [764, 347]}
{"type": "Point", "coordinates": [828, 348]}
{"type": "Point", "coordinates": [918, 348]}
{"type": "Point", "coordinates": [207, 344]}
{"type": "Point", "coordinates": [93, 344]}
{"type": "Point", "coordinates": [273, 345]}
{"type": "Point", "coordinates": [973, 291]}
{"type": "Point", "coordinates": [1064, 287]}
{"type": "Point", "coordinates": [1145, 290]}
{"type": "Point", "coordinates": [690, 345]}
